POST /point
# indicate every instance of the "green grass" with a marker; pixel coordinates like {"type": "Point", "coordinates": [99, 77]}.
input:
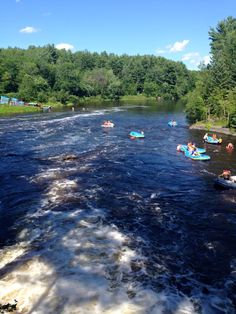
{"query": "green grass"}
{"type": "Point", "coordinates": [91, 99]}
{"type": "Point", "coordinates": [136, 98]}
{"type": "Point", "coordinates": [54, 104]}
{"type": "Point", "coordinates": [122, 98]}
{"type": "Point", "coordinates": [209, 124]}
{"type": "Point", "coordinates": [222, 123]}
{"type": "Point", "coordinates": [6, 110]}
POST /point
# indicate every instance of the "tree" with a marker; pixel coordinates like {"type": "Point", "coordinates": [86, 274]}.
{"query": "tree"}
{"type": "Point", "coordinates": [195, 108]}
{"type": "Point", "coordinates": [150, 89]}
{"type": "Point", "coordinates": [31, 86]}
{"type": "Point", "coordinates": [216, 83]}
{"type": "Point", "coordinates": [67, 78]}
{"type": "Point", "coordinates": [42, 72]}
{"type": "Point", "coordinates": [231, 107]}
{"type": "Point", "coordinates": [223, 50]}
{"type": "Point", "coordinates": [102, 82]}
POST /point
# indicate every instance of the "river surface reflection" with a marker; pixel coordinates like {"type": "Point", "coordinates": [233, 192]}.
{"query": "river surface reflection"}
{"type": "Point", "coordinates": [94, 222]}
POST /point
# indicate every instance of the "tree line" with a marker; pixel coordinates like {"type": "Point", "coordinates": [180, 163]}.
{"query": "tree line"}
{"type": "Point", "coordinates": [46, 74]}
{"type": "Point", "coordinates": [214, 95]}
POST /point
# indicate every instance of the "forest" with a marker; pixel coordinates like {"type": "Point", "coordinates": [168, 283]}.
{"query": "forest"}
{"type": "Point", "coordinates": [47, 75]}
{"type": "Point", "coordinates": [214, 95]}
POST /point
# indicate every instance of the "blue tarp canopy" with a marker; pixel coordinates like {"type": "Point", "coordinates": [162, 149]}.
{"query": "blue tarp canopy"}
{"type": "Point", "coordinates": [14, 101]}
{"type": "Point", "coordinates": [4, 100]}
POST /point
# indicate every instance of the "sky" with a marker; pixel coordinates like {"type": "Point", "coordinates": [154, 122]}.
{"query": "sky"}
{"type": "Point", "coordinates": [174, 29]}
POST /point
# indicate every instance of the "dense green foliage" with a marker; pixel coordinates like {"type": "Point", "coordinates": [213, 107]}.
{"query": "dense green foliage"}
{"type": "Point", "coordinates": [48, 74]}
{"type": "Point", "coordinates": [214, 96]}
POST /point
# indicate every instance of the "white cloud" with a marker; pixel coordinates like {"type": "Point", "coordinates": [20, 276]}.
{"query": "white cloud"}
{"type": "Point", "coordinates": [28, 30]}
{"type": "Point", "coordinates": [194, 58]}
{"type": "Point", "coordinates": [191, 56]}
{"type": "Point", "coordinates": [160, 51]}
{"type": "Point", "coordinates": [206, 60]}
{"type": "Point", "coordinates": [172, 48]}
{"type": "Point", "coordinates": [64, 46]}
{"type": "Point", "coordinates": [178, 46]}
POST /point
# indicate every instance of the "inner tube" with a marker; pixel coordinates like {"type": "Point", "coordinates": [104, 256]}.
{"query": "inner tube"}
{"type": "Point", "coordinates": [134, 134]}
{"type": "Point", "coordinates": [226, 184]}
{"type": "Point", "coordinates": [184, 148]}
{"type": "Point", "coordinates": [172, 123]}
{"type": "Point", "coordinates": [210, 140]}
{"type": "Point", "coordinates": [108, 125]}
{"type": "Point", "coordinates": [197, 157]}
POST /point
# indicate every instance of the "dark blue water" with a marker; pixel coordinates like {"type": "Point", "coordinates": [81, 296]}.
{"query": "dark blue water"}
{"type": "Point", "coordinates": [95, 220]}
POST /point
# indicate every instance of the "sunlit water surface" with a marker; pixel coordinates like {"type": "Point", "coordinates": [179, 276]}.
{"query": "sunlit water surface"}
{"type": "Point", "coordinates": [94, 222]}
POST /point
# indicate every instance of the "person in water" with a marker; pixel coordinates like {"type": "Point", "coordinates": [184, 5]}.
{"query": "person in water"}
{"type": "Point", "coordinates": [226, 174]}
{"type": "Point", "coordinates": [230, 146]}
{"type": "Point", "coordinates": [191, 147]}
{"type": "Point", "coordinates": [194, 150]}
{"type": "Point", "coordinates": [178, 148]}
{"type": "Point", "coordinates": [205, 136]}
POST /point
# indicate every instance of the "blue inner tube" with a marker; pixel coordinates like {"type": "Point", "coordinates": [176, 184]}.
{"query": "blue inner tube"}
{"type": "Point", "coordinates": [226, 184]}
{"type": "Point", "coordinates": [184, 148]}
{"type": "Point", "coordinates": [210, 140]}
{"type": "Point", "coordinates": [136, 134]}
{"type": "Point", "coordinates": [172, 123]}
{"type": "Point", "coordinates": [197, 157]}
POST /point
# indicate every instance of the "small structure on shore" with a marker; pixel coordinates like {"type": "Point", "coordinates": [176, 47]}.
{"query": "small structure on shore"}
{"type": "Point", "coordinates": [4, 100]}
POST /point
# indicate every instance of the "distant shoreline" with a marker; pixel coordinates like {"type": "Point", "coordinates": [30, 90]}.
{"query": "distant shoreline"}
{"type": "Point", "coordinates": [218, 129]}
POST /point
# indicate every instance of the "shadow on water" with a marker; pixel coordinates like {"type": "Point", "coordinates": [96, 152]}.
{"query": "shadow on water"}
{"type": "Point", "coordinates": [96, 223]}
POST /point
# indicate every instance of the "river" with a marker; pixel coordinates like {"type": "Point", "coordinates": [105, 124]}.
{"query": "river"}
{"type": "Point", "coordinates": [94, 222]}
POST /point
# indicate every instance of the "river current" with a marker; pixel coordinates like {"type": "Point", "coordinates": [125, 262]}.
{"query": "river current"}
{"type": "Point", "coordinates": [94, 222]}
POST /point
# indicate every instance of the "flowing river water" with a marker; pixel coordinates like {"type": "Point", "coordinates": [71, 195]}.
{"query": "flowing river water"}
{"type": "Point", "coordinates": [94, 222]}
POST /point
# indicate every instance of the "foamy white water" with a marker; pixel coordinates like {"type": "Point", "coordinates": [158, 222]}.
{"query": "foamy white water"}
{"type": "Point", "coordinates": [73, 262]}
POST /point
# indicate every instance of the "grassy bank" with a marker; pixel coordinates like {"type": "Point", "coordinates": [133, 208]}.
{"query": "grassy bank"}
{"type": "Point", "coordinates": [53, 104]}
{"type": "Point", "coordinates": [6, 110]}
{"type": "Point", "coordinates": [136, 98]}
{"type": "Point", "coordinates": [99, 99]}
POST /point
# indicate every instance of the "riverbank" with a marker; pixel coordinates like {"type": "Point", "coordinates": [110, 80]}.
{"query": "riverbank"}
{"type": "Point", "coordinates": [99, 99]}
{"type": "Point", "coordinates": [7, 110]}
{"type": "Point", "coordinates": [215, 128]}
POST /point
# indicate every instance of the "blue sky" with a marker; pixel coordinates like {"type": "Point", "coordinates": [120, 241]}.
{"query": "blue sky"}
{"type": "Point", "coordinates": [174, 29]}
